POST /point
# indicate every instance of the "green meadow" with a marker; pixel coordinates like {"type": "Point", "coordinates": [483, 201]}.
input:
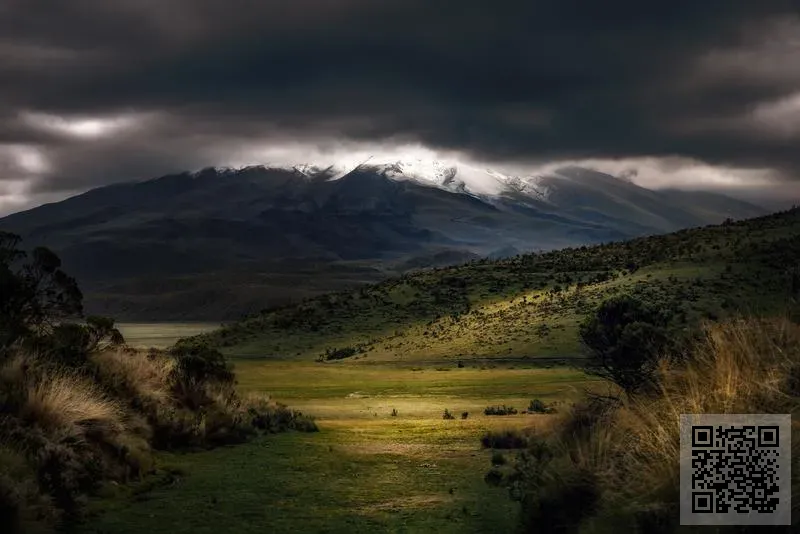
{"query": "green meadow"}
{"type": "Point", "coordinates": [160, 335]}
{"type": "Point", "coordinates": [365, 471]}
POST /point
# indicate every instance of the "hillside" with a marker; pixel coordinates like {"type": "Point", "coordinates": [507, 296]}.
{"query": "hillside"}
{"type": "Point", "coordinates": [528, 306]}
{"type": "Point", "coordinates": [219, 243]}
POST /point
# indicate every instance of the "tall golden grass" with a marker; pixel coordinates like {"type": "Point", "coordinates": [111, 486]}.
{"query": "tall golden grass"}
{"type": "Point", "coordinates": [745, 365]}
{"type": "Point", "coordinates": [62, 400]}
{"type": "Point", "coordinates": [66, 430]}
{"type": "Point", "coordinates": [142, 375]}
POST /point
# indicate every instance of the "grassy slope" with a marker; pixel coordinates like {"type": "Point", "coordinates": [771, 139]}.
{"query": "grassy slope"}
{"type": "Point", "coordinates": [366, 471]}
{"type": "Point", "coordinates": [529, 306]}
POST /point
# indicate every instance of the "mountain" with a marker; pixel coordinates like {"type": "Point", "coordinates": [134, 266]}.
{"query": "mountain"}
{"type": "Point", "coordinates": [217, 243]}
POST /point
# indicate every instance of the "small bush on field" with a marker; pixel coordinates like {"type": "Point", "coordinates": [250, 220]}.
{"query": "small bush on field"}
{"type": "Point", "coordinates": [201, 363]}
{"type": "Point", "coordinates": [498, 458]}
{"type": "Point", "coordinates": [276, 417]}
{"type": "Point", "coordinates": [537, 406]}
{"type": "Point", "coordinates": [447, 414]}
{"type": "Point", "coordinates": [506, 439]}
{"type": "Point", "coordinates": [464, 415]}
{"type": "Point", "coordinates": [340, 354]}
{"type": "Point", "coordinates": [500, 410]}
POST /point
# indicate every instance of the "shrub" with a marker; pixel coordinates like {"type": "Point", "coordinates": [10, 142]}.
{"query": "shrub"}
{"type": "Point", "coordinates": [464, 415]}
{"type": "Point", "coordinates": [201, 363]}
{"type": "Point", "coordinates": [275, 417]}
{"type": "Point", "coordinates": [506, 439]}
{"type": "Point", "coordinates": [620, 458]}
{"type": "Point", "coordinates": [625, 339]}
{"type": "Point", "coordinates": [498, 458]}
{"type": "Point", "coordinates": [447, 414]}
{"type": "Point", "coordinates": [340, 354]}
{"type": "Point", "coordinates": [500, 410]}
{"type": "Point", "coordinates": [537, 406]}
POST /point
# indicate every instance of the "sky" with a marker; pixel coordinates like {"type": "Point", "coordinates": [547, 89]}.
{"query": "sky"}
{"type": "Point", "coordinates": [682, 93]}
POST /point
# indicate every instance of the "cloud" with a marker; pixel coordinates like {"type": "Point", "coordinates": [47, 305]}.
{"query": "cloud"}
{"type": "Point", "coordinates": [105, 92]}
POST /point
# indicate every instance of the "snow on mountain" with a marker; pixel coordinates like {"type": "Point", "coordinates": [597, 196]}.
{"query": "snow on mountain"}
{"type": "Point", "coordinates": [448, 175]}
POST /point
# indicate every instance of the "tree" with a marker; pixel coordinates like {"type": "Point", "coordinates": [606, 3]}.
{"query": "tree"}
{"type": "Point", "coordinates": [37, 302]}
{"type": "Point", "coordinates": [35, 294]}
{"type": "Point", "coordinates": [625, 338]}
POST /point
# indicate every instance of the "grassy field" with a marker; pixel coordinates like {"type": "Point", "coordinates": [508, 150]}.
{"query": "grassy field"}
{"type": "Point", "coordinates": [161, 335]}
{"type": "Point", "coordinates": [366, 470]}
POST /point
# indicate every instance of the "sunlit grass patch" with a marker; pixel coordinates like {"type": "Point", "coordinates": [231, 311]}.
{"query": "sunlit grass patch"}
{"type": "Point", "coordinates": [160, 335]}
{"type": "Point", "coordinates": [366, 470]}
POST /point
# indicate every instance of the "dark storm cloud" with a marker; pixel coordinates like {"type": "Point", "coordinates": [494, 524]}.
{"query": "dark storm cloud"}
{"type": "Point", "coordinates": [504, 80]}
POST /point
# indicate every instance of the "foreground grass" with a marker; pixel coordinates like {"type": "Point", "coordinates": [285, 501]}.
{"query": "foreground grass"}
{"type": "Point", "coordinates": [365, 471]}
{"type": "Point", "coordinates": [615, 467]}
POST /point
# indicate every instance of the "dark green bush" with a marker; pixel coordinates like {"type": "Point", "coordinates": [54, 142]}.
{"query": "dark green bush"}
{"type": "Point", "coordinates": [340, 354]}
{"type": "Point", "coordinates": [277, 417]}
{"type": "Point", "coordinates": [498, 458]}
{"type": "Point", "coordinates": [506, 439]}
{"type": "Point", "coordinates": [500, 410]}
{"type": "Point", "coordinates": [560, 505]}
{"type": "Point", "coordinates": [537, 406]}
{"type": "Point", "coordinates": [202, 364]}
{"type": "Point", "coordinates": [625, 338]}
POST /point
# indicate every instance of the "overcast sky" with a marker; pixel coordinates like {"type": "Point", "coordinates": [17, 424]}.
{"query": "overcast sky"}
{"type": "Point", "coordinates": [690, 93]}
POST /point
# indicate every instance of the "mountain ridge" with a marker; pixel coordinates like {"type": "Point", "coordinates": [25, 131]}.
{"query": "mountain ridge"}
{"type": "Point", "coordinates": [354, 226]}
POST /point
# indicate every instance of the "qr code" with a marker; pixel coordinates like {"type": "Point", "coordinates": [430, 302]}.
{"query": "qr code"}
{"type": "Point", "coordinates": [735, 469]}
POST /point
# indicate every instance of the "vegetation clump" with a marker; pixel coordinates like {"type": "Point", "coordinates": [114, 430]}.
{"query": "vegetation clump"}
{"type": "Point", "coordinates": [79, 410]}
{"type": "Point", "coordinates": [500, 410]}
{"type": "Point", "coordinates": [537, 406]}
{"type": "Point", "coordinates": [614, 461]}
{"type": "Point", "coordinates": [338, 354]}
{"type": "Point", "coordinates": [506, 439]}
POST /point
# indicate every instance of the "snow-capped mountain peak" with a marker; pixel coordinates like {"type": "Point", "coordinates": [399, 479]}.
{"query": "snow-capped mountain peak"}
{"type": "Point", "coordinates": [457, 177]}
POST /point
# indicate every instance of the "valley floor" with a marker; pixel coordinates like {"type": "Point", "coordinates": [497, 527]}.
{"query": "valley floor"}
{"type": "Point", "coordinates": [160, 335]}
{"type": "Point", "coordinates": [366, 470]}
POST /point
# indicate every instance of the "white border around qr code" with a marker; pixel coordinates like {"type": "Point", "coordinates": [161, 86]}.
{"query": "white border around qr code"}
{"type": "Point", "coordinates": [699, 503]}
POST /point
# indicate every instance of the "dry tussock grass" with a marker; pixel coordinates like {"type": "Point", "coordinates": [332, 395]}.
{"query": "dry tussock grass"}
{"type": "Point", "coordinates": [146, 376]}
{"type": "Point", "coordinates": [60, 400]}
{"type": "Point", "coordinates": [740, 366]}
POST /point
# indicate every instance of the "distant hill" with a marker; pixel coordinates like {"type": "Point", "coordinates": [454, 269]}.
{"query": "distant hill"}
{"type": "Point", "coordinates": [529, 306]}
{"type": "Point", "coordinates": [218, 243]}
